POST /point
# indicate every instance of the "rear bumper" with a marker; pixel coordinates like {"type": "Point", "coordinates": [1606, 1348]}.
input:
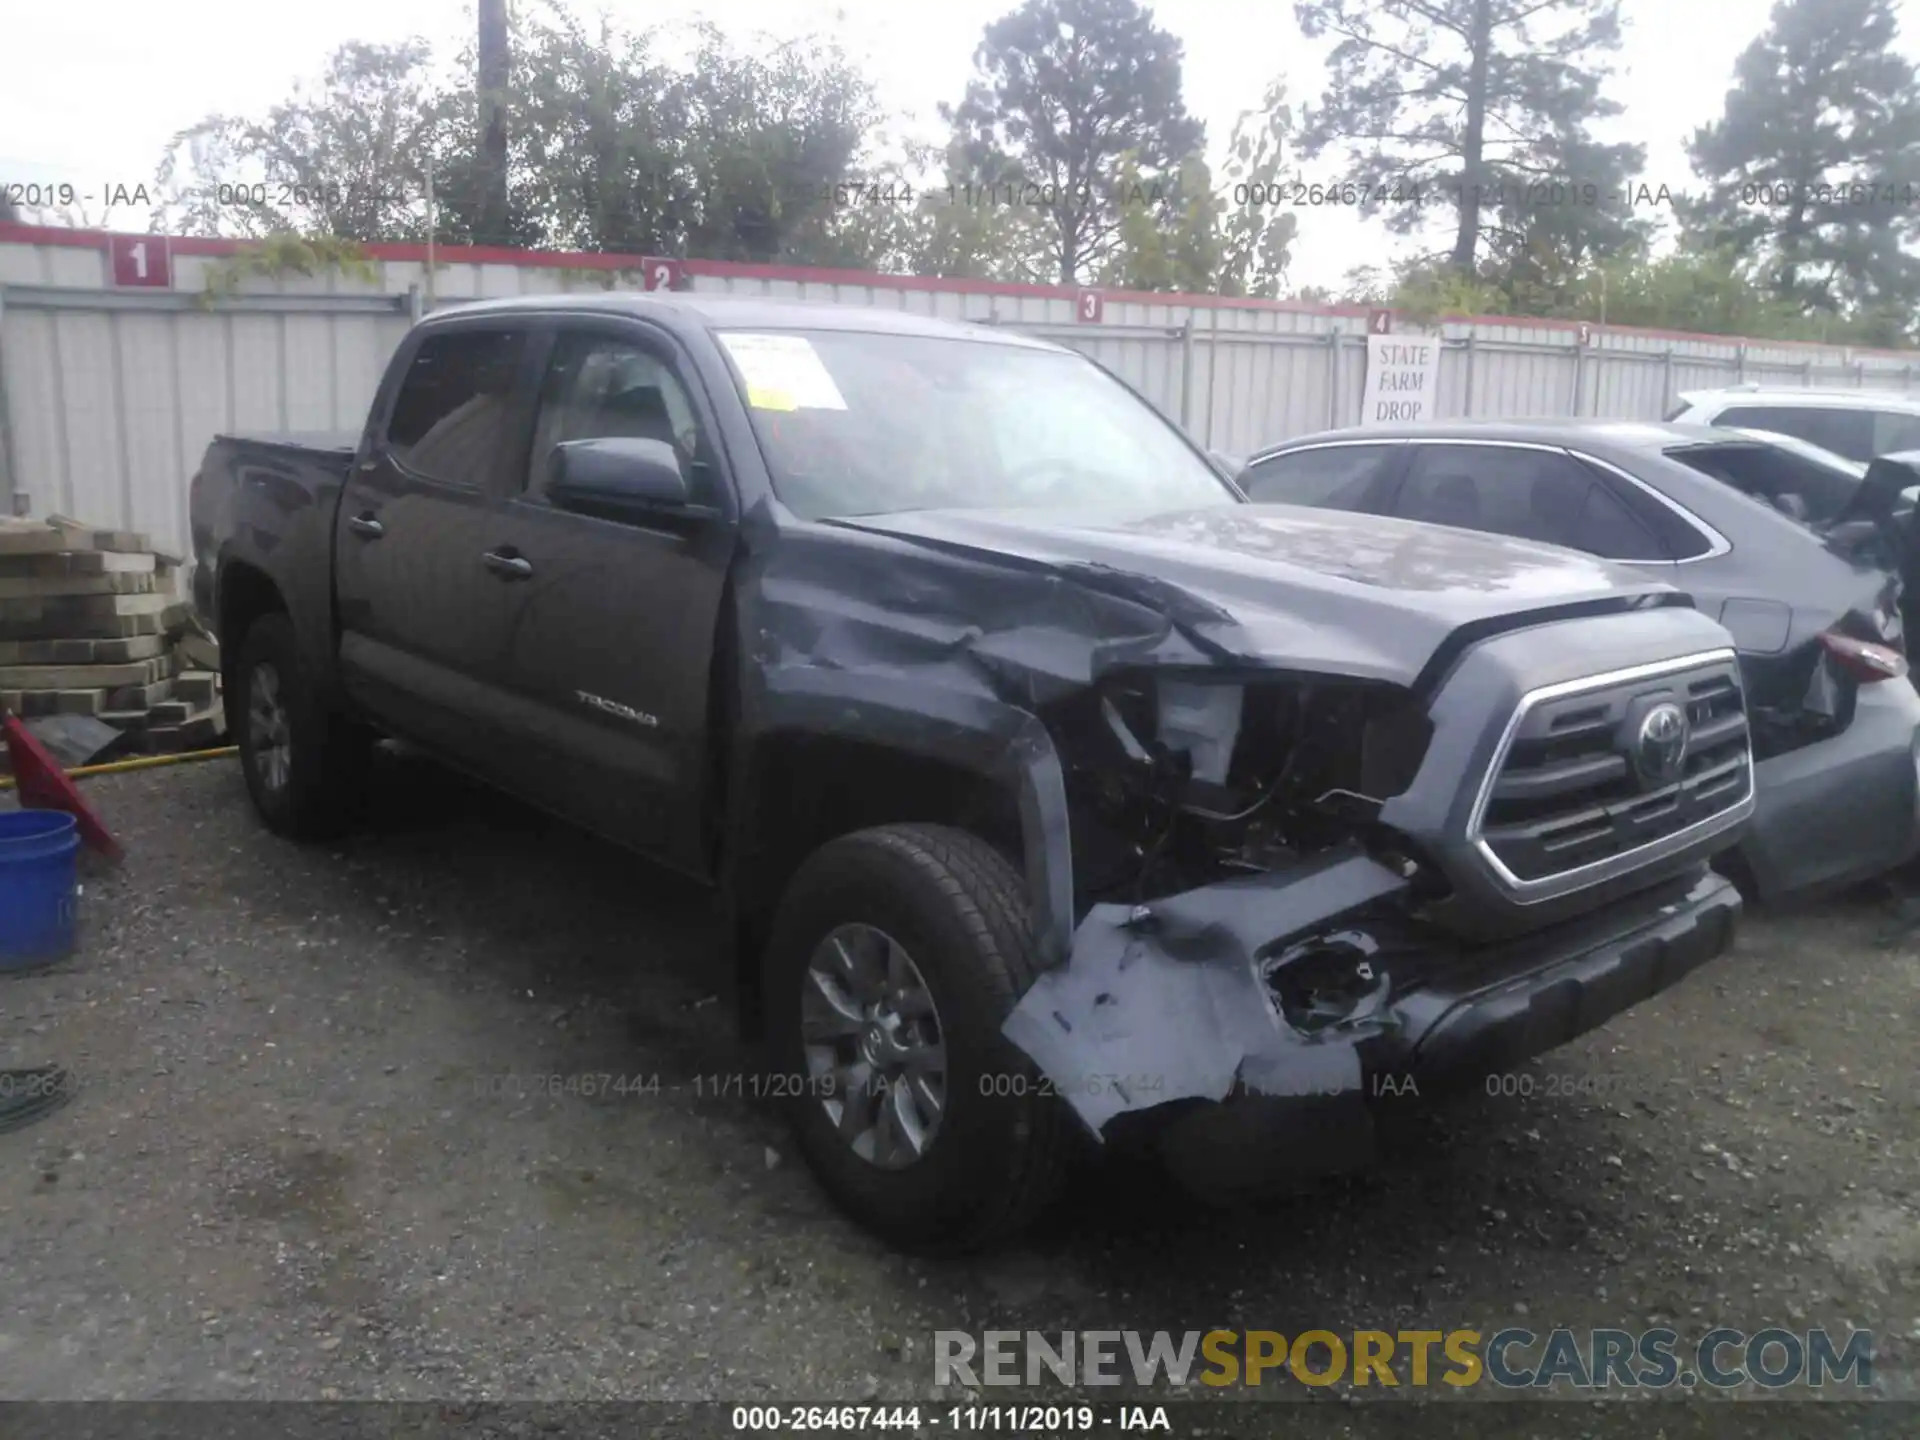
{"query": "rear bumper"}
{"type": "Point", "coordinates": [1844, 809]}
{"type": "Point", "coordinates": [1271, 1102]}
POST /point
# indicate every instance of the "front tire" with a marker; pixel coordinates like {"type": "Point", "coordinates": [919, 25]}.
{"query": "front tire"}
{"type": "Point", "coordinates": [895, 957]}
{"type": "Point", "coordinates": [305, 767]}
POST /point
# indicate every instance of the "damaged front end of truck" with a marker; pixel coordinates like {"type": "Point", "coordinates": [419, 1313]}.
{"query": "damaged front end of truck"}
{"type": "Point", "coordinates": [1347, 808]}
{"type": "Point", "coordinates": [1281, 912]}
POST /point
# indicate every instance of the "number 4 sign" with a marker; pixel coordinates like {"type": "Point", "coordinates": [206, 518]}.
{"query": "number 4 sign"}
{"type": "Point", "coordinates": [660, 272]}
{"type": "Point", "coordinates": [141, 260]}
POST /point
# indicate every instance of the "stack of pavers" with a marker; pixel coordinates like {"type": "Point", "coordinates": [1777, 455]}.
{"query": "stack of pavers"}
{"type": "Point", "coordinates": [92, 623]}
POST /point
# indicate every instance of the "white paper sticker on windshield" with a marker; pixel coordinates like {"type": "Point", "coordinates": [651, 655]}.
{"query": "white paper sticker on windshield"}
{"type": "Point", "coordinates": [783, 372]}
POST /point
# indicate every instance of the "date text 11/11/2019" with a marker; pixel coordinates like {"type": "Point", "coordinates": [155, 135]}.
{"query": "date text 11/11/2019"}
{"type": "Point", "coordinates": [958, 1419]}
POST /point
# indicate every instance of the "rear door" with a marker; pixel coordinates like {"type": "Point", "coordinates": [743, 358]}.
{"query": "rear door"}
{"type": "Point", "coordinates": [612, 625]}
{"type": "Point", "coordinates": [421, 619]}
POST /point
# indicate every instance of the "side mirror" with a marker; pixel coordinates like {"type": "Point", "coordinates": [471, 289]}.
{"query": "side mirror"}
{"type": "Point", "coordinates": [617, 478]}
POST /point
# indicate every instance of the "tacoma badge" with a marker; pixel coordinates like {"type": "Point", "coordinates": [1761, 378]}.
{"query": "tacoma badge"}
{"type": "Point", "coordinates": [614, 707]}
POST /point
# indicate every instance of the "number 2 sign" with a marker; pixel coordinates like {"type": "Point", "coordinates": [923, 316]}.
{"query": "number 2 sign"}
{"type": "Point", "coordinates": [141, 260]}
{"type": "Point", "coordinates": [660, 272]}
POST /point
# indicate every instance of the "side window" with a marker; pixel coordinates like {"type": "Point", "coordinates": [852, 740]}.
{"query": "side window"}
{"type": "Point", "coordinates": [1894, 432]}
{"type": "Point", "coordinates": [1333, 477]}
{"type": "Point", "coordinates": [1776, 476]}
{"type": "Point", "coordinates": [1672, 536]}
{"type": "Point", "coordinates": [601, 386]}
{"type": "Point", "coordinates": [1845, 432]}
{"type": "Point", "coordinates": [1532, 494]}
{"type": "Point", "coordinates": [1608, 529]}
{"type": "Point", "coordinates": [450, 420]}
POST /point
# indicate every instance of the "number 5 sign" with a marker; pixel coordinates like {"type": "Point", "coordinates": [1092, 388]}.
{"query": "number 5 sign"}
{"type": "Point", "coordinates": [141, 260]}
{"type": "Point", "coordinates": [660, 272]}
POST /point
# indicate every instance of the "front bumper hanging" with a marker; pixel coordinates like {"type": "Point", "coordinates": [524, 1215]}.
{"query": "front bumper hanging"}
{"type": "Point", "coordinates": [1187, 999]}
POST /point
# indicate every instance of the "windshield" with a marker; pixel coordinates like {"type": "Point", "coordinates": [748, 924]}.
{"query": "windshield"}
{"type": "Point", "coordinates": [863, 424]}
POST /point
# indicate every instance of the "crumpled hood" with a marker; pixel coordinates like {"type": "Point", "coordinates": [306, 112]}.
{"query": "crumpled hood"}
{"type": "Point", "coordinates": [1282, 585]}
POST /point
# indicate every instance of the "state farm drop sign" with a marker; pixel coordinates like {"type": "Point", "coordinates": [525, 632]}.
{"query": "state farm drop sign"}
{"type": "Point", "coordinates": [1403, 377]}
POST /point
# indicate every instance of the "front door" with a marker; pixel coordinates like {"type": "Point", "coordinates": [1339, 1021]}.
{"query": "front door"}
{"type": "Point", "coordinates": [421, 616]}
{"type": "Point", "coordinates": [611, 626]}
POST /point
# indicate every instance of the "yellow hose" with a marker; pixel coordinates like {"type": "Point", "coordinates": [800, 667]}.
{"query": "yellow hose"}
{"type": "Point", "coordinates": [143, 762]}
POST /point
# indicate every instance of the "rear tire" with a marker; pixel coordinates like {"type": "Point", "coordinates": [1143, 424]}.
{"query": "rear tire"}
{"type": "Point", "coordinates": [997, 1152]}
{"type": "Point", "coordinates": [305, 767]}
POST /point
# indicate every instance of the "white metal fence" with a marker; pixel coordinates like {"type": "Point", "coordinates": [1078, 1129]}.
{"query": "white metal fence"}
{"type": "Point", "coordinates": [108, 396]}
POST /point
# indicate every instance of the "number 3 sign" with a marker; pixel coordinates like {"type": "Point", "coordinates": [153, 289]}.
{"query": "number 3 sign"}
{"type": "Point", "coordinates": [660, 272]}
{"type": "Point", "coordinates": [141, 260]}
{"type": "Point", "coordinates": [1090, 307]}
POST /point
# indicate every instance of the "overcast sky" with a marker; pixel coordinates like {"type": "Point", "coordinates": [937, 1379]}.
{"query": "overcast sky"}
{"type": "Point", "coordinates": [92, 91]}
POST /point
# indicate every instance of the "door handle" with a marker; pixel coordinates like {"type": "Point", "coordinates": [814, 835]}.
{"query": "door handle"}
{"type": "Point", "coordinates": [507, 564]}
{"type": "Point", "coordinates": [365, 524]}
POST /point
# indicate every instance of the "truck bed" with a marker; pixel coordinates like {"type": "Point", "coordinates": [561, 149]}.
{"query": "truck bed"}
{"type": "Point", "coordinates": [263, 498]}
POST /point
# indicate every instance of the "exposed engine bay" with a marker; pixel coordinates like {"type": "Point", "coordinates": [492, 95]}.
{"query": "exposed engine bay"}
{"type": "Point", "coordinates": [1180, 780]}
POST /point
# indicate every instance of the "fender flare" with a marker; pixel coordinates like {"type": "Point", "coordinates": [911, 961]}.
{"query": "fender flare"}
{"type": "Point", "coordinates": [1004, 744]}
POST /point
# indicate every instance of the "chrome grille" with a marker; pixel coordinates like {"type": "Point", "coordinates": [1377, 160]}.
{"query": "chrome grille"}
{"type": "Point", "coordinates": [1573, 786]}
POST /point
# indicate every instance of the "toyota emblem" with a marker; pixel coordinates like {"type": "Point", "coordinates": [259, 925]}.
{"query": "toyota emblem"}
{"type": "Point", "coordinates": [1660, 749]}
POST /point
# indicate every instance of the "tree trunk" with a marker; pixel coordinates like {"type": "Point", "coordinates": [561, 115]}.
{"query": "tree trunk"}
{"type": "Point", "coordinates": [490, 211]}
{"type": "Point", "coordinates": [1473, 143]}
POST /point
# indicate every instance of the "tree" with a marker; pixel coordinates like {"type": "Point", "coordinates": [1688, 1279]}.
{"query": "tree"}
{"type": "Point", "coordinates": [493, 74]}
{"type": "Point", "coordinates": [1169, 237]}
{"type": "Point", "coordinates": [1259, 227]}
{"type": "Point", "coordinates": [1539, 243]}
{"type": "Point", "coordinates": [1814, 168]}
{"type": "Point", "coordinates": [735, 156]}
{"type": "Point", "coordinates": [1706, 291]}
{"type": "Point", "coordinates": [347, 159]}
{"type": "Point", "coordinates": [598, 148]}
{"type": "Point", "coordinates": [1066, 90]}
{"type": "Point", "coordinates": [1473, 103]}
{"type": "Point", "coordinates": [1709, 292]}
{"type": "Point", "coordinates": [769, 137]}
{"type": "Point", "coordinates": [929, 212]}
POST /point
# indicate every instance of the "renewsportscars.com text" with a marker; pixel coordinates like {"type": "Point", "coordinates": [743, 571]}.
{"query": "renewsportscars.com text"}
{"type": "Point", "coordinates": [1511, 1358]}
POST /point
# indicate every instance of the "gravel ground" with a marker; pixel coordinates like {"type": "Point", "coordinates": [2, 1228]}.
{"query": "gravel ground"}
{"type": "Point", "coordinates": [312, 1158]}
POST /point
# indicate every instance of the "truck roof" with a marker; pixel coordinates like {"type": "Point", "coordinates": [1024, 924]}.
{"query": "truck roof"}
{"type": "Point", "coordinates": [689, 310]}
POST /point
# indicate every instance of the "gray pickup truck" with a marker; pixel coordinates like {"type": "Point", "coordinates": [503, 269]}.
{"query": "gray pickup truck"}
{"type": "Point", "coordinates": [1049, 789]}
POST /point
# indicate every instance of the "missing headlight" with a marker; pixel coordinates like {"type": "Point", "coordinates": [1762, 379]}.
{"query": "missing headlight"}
{"type": "Point", "coordinates": [1180, 778]}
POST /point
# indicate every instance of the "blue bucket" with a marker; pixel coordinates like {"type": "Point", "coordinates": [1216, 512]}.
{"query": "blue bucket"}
{"type": "Point", "coordinates": [37, 890]}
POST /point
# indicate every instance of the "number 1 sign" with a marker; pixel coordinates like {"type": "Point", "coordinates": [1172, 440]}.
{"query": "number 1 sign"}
{"type": "Point", "coordinates": [141, 260]}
